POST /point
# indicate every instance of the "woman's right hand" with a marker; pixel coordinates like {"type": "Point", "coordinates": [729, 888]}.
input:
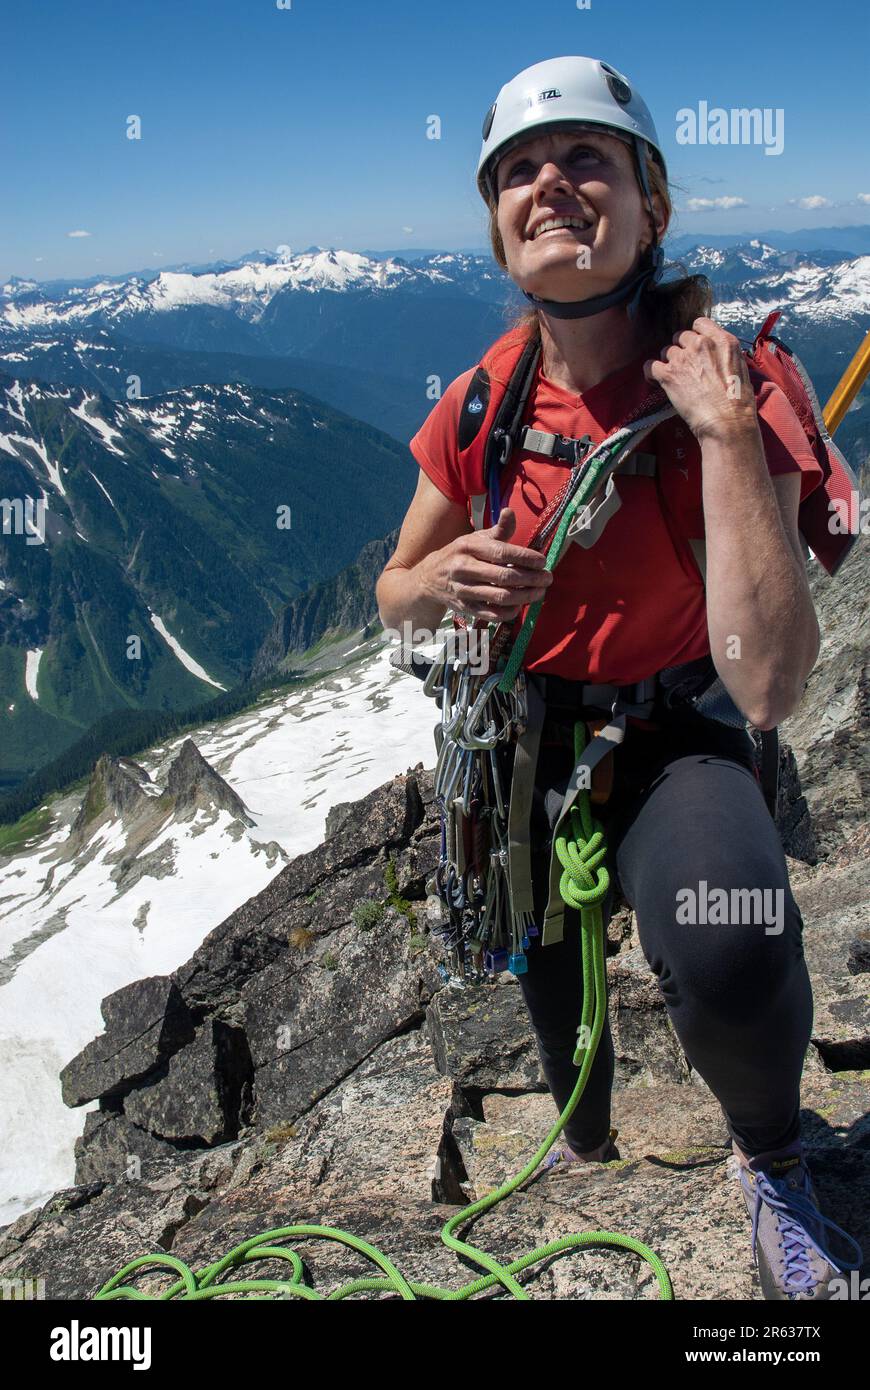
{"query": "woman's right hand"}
{"type": "Point", "coordinates": [481, 575]}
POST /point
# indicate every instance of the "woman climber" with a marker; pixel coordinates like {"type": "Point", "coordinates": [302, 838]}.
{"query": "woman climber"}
{"type": "Point", "coordinates": [576, 185]}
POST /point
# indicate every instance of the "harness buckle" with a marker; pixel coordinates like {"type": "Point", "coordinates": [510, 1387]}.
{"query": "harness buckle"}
{"type": "Point", "coordinates": [637, 701]}
{"type": "Point", "coordinates": [580, 448]}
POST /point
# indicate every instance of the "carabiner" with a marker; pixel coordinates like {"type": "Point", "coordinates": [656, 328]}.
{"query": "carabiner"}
{"type": "Point", "coordinates": [472, 736]}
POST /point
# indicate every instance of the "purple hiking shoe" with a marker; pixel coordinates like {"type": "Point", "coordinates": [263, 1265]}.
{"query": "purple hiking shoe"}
{"type": "Point", "coordinates": [567, 1154]}
{"type": "Point", "coordinates": [788, 1240]}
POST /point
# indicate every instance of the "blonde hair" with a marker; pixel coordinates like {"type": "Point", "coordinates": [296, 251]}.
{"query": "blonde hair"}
{"type": "Point", "coordinates": [670, 305]}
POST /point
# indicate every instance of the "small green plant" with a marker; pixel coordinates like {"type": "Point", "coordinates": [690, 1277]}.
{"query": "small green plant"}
{"type": "Point", "coordinates": [329, 961]}
{"type": "Point", "coordinates": [402, 905]}
{"type": "Point", "coordinates": [367, 914]}
{"type": "Point", "coordinates": [418, 943]}
{"type": "Point", "coordinates": [279, 1134]}
{"type": "Point", "coordinates": [314, 895]}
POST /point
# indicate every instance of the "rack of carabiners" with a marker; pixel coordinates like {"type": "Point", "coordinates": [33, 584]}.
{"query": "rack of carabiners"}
{"type": "Point", "coordinates": [475, 743]}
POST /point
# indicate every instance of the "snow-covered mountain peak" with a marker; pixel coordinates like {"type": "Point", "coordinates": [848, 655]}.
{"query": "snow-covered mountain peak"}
{"type": "Point", "coordinates": [246, 288]}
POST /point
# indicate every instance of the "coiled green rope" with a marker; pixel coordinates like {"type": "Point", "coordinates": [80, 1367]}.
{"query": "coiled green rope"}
{"type": "Point", "coordinates": [584, 885]}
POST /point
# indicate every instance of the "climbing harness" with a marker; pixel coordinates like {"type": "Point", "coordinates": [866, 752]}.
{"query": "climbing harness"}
{"type": "Point", "coordinates": [493, 711]}
{"type": "Point", "coordinates": [584, 881]}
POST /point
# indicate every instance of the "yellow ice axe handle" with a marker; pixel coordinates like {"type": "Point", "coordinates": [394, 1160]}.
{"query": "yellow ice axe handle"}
{"type": "Point", "coordinates": [848, 386]}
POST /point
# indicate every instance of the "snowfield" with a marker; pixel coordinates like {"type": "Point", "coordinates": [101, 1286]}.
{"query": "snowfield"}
{"type": "Point", "coordinates": [68, 937]}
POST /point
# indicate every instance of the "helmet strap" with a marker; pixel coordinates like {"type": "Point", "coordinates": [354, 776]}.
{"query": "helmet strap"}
{"type": "Point", "coordinates": [632, 284]}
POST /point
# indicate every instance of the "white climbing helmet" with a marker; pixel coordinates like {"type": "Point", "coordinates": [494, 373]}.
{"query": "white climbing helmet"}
{"type": "Point", "coordinates": [564, 91]}
{"type": "Point", "coordinates": [575, 91]}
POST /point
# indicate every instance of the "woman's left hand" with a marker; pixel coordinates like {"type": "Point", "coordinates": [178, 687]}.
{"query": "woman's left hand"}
{"type": "Point", "coordinates": [704, 374]}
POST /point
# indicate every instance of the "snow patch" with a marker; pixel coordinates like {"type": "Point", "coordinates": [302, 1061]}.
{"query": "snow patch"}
{"type": "Point", "coordinates": [290, 759]}
{"type": "Point", "coordinates": [31, 671]}
{"type": "Point", "coordinates": [105, 431]}
{"type": "Point", "coordinates": [13, 394]}
{"type": "Point", "coordinates": [184, 657]}
{"type": "Point", "coordinates": [100, 486]}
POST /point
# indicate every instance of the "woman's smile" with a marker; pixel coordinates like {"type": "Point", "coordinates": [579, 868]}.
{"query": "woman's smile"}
{"type": "Point", "coordinates": [554, 231]}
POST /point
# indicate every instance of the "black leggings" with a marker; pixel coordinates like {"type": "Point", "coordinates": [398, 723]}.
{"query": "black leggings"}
{"type": "Point", "coordinates": [685, 808]}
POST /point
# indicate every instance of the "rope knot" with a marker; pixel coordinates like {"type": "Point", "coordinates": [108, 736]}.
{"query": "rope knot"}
{"type": "Point", "coordinates": [581, 849]}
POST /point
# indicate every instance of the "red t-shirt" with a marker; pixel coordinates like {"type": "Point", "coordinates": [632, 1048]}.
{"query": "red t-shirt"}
{"type": "Point", "coordinates": [634, 602]}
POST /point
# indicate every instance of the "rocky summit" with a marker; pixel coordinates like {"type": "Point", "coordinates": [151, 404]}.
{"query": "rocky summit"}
{"type": "Point", "coordinates": [314, 1063]}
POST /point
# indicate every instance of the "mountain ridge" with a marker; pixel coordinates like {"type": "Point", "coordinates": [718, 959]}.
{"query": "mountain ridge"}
{"type": "Point", "coordinates": [175, 528]}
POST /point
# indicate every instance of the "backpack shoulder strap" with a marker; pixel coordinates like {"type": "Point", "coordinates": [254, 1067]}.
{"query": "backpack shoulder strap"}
{"type": "Point", "coordinates": [491, 413]}
{"type": "Point", "coordinates": [839, 491]}
{"type": "Point", "coordinates": [490, 427]}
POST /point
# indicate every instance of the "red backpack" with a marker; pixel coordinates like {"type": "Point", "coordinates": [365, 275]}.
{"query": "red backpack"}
{"type": "Point", "coordinates": [490, 429]}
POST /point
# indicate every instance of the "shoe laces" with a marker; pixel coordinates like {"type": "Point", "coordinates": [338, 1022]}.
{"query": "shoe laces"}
{"type": "Point", "coordinates": [797, 1216]}
{"type": "Point", "coordinates": [557, 1156]}
{"type": "Point", "coordinates": [565, 1156]}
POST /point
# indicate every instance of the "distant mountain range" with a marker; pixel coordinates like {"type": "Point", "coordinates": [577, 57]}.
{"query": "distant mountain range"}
{"type": "Point", "coordinates": [850, 240]}
{"type": "Point", "coordinates": [370, 335]}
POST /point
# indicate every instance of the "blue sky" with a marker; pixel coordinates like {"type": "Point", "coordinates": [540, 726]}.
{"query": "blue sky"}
{"type": "Point", "coordinates": [265, 126]}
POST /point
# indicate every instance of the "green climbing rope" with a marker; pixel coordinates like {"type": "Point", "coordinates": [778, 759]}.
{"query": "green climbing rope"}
{"type": "Point", "coordinates": [583, 885]}
{"type": "Point", "coordinates": [591, 479]}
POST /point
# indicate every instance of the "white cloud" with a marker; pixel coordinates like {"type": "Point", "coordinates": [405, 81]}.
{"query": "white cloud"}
{"type": "Point", "coordinates": [706, 204]}
{"type": "Point", "coordinates": [78, 234]}
{"type": "Point", "coordinates": [864, 197]}
{"type": "Point", "coordinates": [815, 200]}
{"type": "Point", "coordinates": [407, 229]}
